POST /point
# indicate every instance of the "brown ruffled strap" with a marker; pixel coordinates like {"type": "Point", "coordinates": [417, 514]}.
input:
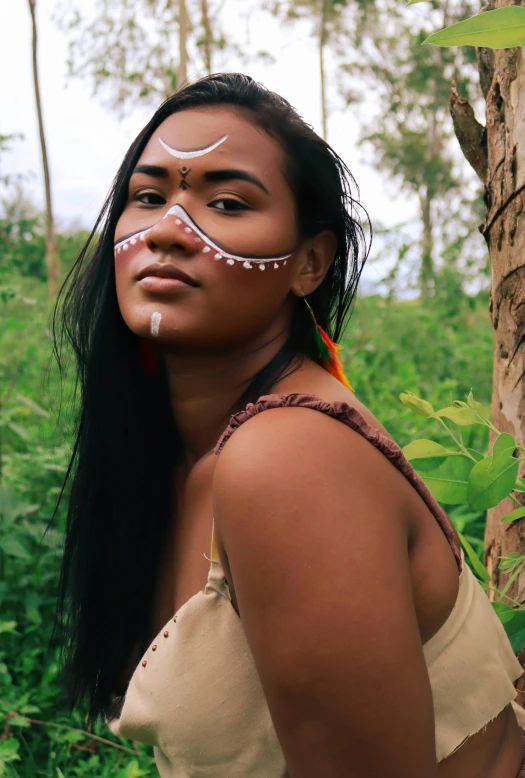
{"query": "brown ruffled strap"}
{"type": "Point", "coordinates": [352, 418]}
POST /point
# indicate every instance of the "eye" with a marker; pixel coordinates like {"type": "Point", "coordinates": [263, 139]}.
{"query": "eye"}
{"type": "Point", "coordinates": [150, 198]}
{"type": "Point", "coordinates": [228, 204]}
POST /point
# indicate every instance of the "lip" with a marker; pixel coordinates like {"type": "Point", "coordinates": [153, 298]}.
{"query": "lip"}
{"type": "Point", "coordinates": [165, 272]}
{"type": "Point", "coordinates": [163, 284]}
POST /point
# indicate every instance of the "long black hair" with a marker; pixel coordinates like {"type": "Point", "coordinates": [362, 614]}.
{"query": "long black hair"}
{"type": "Point", "coordinates": [121, 496]}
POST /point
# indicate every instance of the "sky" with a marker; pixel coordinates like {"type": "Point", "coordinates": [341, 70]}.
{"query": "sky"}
{"type": "Point", "coordinates": [87, 141]}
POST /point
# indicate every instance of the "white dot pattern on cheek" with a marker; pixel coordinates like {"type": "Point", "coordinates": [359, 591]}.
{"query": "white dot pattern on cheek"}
{"type": "Point", "coordinates": [191, 228]}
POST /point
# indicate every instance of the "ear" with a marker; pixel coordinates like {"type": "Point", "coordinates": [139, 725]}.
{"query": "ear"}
{"type": "Point", "coordinates": [317, 255]}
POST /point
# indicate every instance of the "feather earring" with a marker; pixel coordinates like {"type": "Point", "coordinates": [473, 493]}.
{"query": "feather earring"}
{"type": "Point", "coordinates": [327, 352]}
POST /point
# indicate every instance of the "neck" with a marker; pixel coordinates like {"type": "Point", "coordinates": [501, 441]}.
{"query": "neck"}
{"type": "Point", "coordinates": [204, 389]}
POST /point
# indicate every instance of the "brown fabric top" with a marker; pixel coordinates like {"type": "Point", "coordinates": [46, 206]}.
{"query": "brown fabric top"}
{"type": "Point", "coordinates": [352, 418]}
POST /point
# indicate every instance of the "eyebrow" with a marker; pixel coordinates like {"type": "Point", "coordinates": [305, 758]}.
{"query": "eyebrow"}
{"type": "Point", "coordinates": [157, 171]}
{"type": "Point", "coordinates": [229, 174]}
{"type": "Point", "coordinates": [235, 175]}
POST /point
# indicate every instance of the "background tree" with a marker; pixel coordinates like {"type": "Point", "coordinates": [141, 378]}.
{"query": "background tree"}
{"type": "Point", "coordinates": [325, 16]}
{"type": "Point", "coordinates": [402, 90]}
{"type": "Point", "coordinates": [141, 50]}
{"type": "Point", "coordinates": [52, 258]}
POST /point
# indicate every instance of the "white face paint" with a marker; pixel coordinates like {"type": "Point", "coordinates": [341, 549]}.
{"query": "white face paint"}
{"type": "Point", "coordinates": [206, 244]}
{"type": "Point", "coordinates": [155, 324]}
{"type": "Point", "coordinates": [179, 154]}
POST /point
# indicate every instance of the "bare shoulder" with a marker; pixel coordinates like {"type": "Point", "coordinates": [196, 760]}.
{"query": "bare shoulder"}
{"type": "Point", "coordinates": [302, 452]}
{"type": "Point", "coordinates": [312, 518]}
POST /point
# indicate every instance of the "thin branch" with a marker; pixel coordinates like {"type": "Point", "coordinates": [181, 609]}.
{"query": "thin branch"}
{"type": "Point", "coordinates": [470, 133]}
{"type": "Point", "coordinates": [80, 731]}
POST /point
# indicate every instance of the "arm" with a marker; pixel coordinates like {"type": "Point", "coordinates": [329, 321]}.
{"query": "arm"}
{"type": "Point", "coordinates": [311, 517]}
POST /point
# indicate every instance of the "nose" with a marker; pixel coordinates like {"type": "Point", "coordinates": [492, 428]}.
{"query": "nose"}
{"type": "Point", "coordinates": [170, 235]}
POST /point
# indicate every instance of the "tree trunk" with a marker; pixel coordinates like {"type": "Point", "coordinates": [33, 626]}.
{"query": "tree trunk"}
{"type": "Point", "coordinates": [208, 35]}
{"type": "Point", "coordinates": [52, 258]}
{"type": "Point", "coordinates": [322, 44]}
{"type": "Point", "coordinates": [504, 231]}
{"type": "Point", "coordinates": [501, 153]}
{"type": "Point", "coordinates": [426, 272]}
{"type": "Point", "coordinates": [183, 44]}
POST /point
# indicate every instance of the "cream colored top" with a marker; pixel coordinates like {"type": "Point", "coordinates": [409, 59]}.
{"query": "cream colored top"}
{"type": "Point", "coordinates": [196, 696]}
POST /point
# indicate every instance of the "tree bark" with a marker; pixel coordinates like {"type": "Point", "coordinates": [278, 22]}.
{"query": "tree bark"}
{"type": "Point", "coordinates": [52, 258]}
{"type": "Point", "coordinates": [322, 44]}
{"type": "Point", "coordinates": [208, 35]}
{"type": "Point", "coordinates": [183, 44]}
{"type": "Point", "coordinates": [426, 273]}
{"type": "Point", "coordinates": [504, 232]}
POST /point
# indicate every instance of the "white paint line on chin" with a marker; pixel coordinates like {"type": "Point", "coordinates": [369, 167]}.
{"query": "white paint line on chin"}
{"type": "Point", "coordinates": [155, 324]}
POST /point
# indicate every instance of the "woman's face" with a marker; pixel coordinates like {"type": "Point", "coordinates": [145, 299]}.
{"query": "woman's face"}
{"type": "Point", "coordinates": [208, 200]}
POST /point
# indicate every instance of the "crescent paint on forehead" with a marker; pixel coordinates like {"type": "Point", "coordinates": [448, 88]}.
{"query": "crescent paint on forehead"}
{"type": "Point", "coordinates": [191, 153]}
{"type": "Point", "coordinates": [182, 219]}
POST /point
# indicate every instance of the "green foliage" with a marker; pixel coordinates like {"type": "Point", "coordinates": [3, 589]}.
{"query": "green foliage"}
{"type": "Point", "coordinates": [464, 475]}
{"type": "Point", "coordinates": [22, 239]}
{"type": "Point", "coordinates": [391, 347]}
{"type": "Point", "coordinates": [502, 28]}
{"type": "Point", "coordinates": [41, 738]}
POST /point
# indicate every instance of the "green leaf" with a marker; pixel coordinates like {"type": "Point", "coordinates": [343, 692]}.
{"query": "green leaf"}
{"type": "Point", "coordinates": [19, 721]}
{"type": "Point", "coordinates": [131, 770]}
{"type": "Point", "coordinates": [463, 417]}
{"type": "Point", "coordinates": [517, 640]}
{"type": "Point", "coordinates": [14, 545]}
{"type": "Point", "coordinates": [477, 456]}
{"type": "Point", "coordinates": [502, 28]}
{"type": "Point", "coordinates": [477, 564]}
{"type": "Point", "coordinates": [33, 405]}
{"type": "Point", "coordinates": [11, 505]}
{"type": "Point", "coordinates": [510, 561]}
{"type": "Point", "coordinates": [74, 737]}
{"type": "Point", "coordinates": [519, 513]}
{"type": "Point", "coordinates": [8, 627]}
{"type": "Point", "coordinates": [503, 611]}
{"type": "Point", "coordinates": [491, 480]}
{"type": "Point", "coordinates": [519, 486]}
{"type": "Point", "coordinates": [414, 2]}
{"type": "Point", "coordinates": [416, 404]}
{"type": "Point", "coordinates": [504, 445]}
{"type": "Point", "coordinates": [515, 629]}
{"type": "Point", "coordinates": [27, 709]}
{"type": "Point", "coordinates": [18, 430]}
{"type": "Point", "coordinates": [8, 751]}
{"type": "Point", "coordinates": [33, 602]}
{"type": "Point", "coordinates": [448, 482]}
{"type": "Point", "coordinates": [425, 454]}
{"type": "Point", "coordinates": [476, 406]}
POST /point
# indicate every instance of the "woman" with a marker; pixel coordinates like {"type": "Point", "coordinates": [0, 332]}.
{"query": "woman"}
{"type": "Point", "coordinates": [339, 631]}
